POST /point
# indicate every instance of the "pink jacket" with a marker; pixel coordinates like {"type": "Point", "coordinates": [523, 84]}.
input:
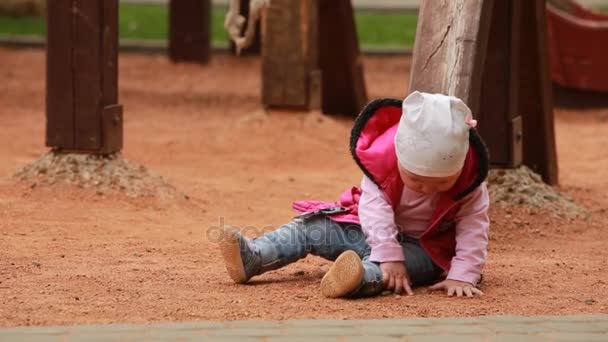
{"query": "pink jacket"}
{"type": "Point", "coordinates": [372, 146]}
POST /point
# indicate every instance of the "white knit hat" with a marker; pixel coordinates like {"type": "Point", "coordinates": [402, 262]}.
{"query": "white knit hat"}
{"type": "Point", "coordinates": [432, 139]}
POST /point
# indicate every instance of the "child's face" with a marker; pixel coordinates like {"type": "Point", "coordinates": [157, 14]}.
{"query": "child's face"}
{"type": "Point", "coordinates": [428, 185]}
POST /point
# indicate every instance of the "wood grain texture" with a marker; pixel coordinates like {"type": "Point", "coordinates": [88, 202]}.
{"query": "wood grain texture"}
{"type": "Point", "coordinates": [449, 52]}
{"type": "Point", "coordinates": [344, 89]}
{"type": "Point", "coordinates": [59, 82]}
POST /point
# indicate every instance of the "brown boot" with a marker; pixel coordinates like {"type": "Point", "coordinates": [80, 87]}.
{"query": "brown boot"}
{"type": "Point", "coordinates": [344, 276]}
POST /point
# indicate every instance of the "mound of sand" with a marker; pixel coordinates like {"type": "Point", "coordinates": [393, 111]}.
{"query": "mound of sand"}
{"type": "Point", "coordinates": [104, 174]}
{"type": "Point", "coordinates": [523, 187]}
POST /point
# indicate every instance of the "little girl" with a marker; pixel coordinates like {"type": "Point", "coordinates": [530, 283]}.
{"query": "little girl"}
{"type": "Point", "coordinates": [420, 216]}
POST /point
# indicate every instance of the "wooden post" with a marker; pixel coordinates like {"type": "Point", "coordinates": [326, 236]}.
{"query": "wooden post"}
{"type": "Point", "coordinates": [449, 52]}
{"type": "Point", "coordinates": [256, 46]}
{"type": "Point", "coordinates": [535, 93]}
{"type": "Point", "coordinates": [189, 30]}
{"type": "Point", "coordinates": [516, 116]}
{"type": "Point", "coordinates": [504, 78]}
{"type": "Point", "coordinates": [83, 113]}
{"type": "Point", "coordinates": [500, 122]}
{"type": "Point", "coordinates": [342, 69]}
{"type": "Point", "coordinates": [290, 67]}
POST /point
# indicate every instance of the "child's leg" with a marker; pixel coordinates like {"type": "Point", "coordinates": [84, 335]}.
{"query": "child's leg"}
{"type": "Point", "coordinates": [352, 277]}
{"type": "Point", "coordinates": [420, 267]}
{"type": "Point", "coordinates": [318, 235]}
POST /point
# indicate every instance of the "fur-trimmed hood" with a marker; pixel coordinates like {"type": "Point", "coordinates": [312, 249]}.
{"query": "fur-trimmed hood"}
{"type": "Point", "coordinates": [372, 146]}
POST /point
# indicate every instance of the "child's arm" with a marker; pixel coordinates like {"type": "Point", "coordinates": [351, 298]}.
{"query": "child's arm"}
{"type": "Point", "coordinates": [472, 224]}
{"type": "Point", "coordinates": [378, 224]}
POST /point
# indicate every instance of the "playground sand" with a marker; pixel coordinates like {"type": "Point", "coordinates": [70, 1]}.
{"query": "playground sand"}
{"type": "Point", "coordinates": [69, 255]}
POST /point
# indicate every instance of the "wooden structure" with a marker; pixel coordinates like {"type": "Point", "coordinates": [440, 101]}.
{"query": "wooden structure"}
{"type": "Point", "coordinates": [493, 55]}
{"type": "Point", "coordinates": [189, 30]}
{"type": "Point", "coordinates": [343, 85]}
{"type": "Point", "coordinates": [577, 45]}
{"type": "Point", "coordinates": [299, 70]}
{"type": "Point", "coordinates": [82, 107]}
{"type": "Point", "coordinates": [290, 62]}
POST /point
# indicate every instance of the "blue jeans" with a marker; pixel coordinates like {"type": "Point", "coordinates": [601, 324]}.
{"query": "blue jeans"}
{"type": "Point", "coordinates": [320, 236]}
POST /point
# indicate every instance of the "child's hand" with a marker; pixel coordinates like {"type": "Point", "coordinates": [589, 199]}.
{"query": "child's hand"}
{"type": "Point", "coordinates": [459, 288]}
{"type": "Point", "coordinates": [394, 276]}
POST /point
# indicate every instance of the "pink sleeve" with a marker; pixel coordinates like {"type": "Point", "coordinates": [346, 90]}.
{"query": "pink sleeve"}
{"type": "Point", "coordinates": [472, 225]}
{"type": "Point", "coordinates": [378, 224]}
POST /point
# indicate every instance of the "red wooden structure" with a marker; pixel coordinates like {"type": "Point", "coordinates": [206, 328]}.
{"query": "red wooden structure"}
{"type": "Point", "coordinates": [578, 47]}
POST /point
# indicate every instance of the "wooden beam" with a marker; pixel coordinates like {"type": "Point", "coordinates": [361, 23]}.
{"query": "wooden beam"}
{"type": "Point", "coordinates": [499, 120]}
{"type": "Point", "coordinates": [112, 112]}
{"type": "Point", "coordinates": [290, 72]}
{"type": "Point", "coordinates": [88, 76]}
{"type": "Point", "coordinates": [59, 80]}
{"type": "Point", "coordinates": [514, 105]}
{"type": "Point", "coordinates": [189, 30]}
{"type": "Point", "coordinates": [449, 52]}
{"type": "Point", "coordinates": [535, 93]}
{"type": "Point", "coordinates": [82, 76]}
{"type": "Point", "coordinates": [343, 85]}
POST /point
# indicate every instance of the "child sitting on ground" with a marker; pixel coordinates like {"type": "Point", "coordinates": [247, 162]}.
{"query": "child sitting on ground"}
{"type": "Point", "coordinates": [420, 216]}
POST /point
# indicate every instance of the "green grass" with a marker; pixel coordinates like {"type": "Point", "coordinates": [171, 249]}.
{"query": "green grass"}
{"type": "Point", "coordinates": [386, 29]}
{"type": "Point", "coordinates": [393, 29]}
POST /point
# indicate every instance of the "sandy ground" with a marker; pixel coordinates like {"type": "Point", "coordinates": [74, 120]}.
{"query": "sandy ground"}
{"type": "Point", "coordinates": [70, 256]}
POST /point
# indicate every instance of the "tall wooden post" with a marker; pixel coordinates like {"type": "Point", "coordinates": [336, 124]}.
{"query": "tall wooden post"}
{"type": "Point", "coordinates": [340, 59]}
{"type": "Point", "coordinates": [449, 51]}
{"type": "Point", "coordinates": [500, 121]}
{"type": "Point", "coordinates": [189, 30]}
{"type": "Point", "coordinates": [82, 107]}
{"type": "Point", "coordinates": [516, 116]}
{"type": "Point", "coordinates": [503, 78]}
{"type": "Point", "coordinates": [290, 60]}
{"type": "Point", "coordinates": [311, 57]}
{"type": "Point", "coordinates": [535, 93]}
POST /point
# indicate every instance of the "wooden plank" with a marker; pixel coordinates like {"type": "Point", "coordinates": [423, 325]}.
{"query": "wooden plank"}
{"type": "Point", "coordinates": [256, 46]}
{"type": "Point", "coordinates": [310, 33]}
{"type": "Point", "coordinates": [82, 77]}
{"type": "Point", "coordinates": [87, 54]}
{"type": "Point", "coordinates": [496, 110]}
{"type": "Point", "coordinates": [534, 86]}
{"type": "Point", "coordinates": [112, 131]}
{"type": "Point", "coordinates": [59, 85]}
{"type": "Point", "coordinates": [287, 59]}
{"type": "Point", "coordinates": [450, 47]}
{"type": "Point", "coordinates": [281, 48]}
{"type": "Point", "coordinates": [340, 61]}
{"type": "Point", "coordinates": [110, 51]}
{"type": "Point", "coordinates": [189, 30]}
{"type": "Point", "coordinates": [515, 143]}
{"type": "Point", "coordinates": [111, 121]}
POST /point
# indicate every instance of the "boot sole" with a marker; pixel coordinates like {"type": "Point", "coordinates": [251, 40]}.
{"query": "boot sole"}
{"type": "Point", "coordinates": [344, 276]}
{"type": "Point", "coordinates": [231, 252]}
